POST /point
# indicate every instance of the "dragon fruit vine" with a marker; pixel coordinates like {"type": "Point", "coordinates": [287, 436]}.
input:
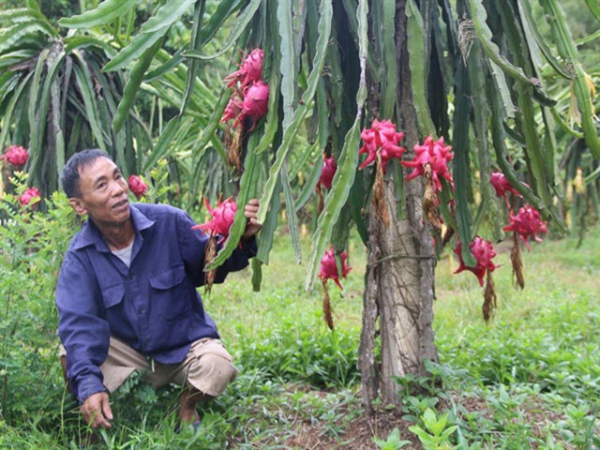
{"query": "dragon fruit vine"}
{"type": "Point", "coordinates": [329, 271]}
{"type": "Point", "coordinates": [248, 103]}
{"type": "Point", "coordinates": [217, 229]}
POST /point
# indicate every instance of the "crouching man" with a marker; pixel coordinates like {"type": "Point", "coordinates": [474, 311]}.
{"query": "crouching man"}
{"type": "Point", "coordinates": [127, 297]}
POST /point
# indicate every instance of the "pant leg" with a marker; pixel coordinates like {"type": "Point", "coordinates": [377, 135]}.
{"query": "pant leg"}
{"type": "Point", "coordinates": [208, 367]}
{"type": "Point", "coordinates": [121, 361]}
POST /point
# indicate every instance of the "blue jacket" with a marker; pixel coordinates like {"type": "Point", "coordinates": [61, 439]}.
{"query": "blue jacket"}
{"type": "Point", "coordinates": [153, 305]}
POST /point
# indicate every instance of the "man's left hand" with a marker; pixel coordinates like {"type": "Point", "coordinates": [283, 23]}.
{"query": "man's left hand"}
{"type": "Point", "coordinates": [251, 213]}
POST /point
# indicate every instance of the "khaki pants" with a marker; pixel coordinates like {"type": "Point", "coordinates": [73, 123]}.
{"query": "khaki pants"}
{"type": "Point", "coordinates": [207, 367]}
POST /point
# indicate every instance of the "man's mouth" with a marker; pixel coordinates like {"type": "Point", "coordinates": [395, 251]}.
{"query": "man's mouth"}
{"type": "Point", "coordinates": [120, 204]}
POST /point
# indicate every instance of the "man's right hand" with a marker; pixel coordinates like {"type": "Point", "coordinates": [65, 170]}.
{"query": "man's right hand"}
{"type": "Point", "coordinates": [96, 410]}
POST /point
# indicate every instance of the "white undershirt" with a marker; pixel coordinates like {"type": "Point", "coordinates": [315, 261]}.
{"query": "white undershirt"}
{"type": "Point", "coordinates": [125, 254]}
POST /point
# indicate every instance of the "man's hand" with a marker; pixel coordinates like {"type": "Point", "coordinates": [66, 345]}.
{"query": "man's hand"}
{"type": "Point", "coordinates": [96, 410]}
{"type": "Point", "coordinates": [251, 212]}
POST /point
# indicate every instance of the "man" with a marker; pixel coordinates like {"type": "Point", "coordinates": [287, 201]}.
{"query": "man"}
{"type": "Point", "coordinates": [127, 297]}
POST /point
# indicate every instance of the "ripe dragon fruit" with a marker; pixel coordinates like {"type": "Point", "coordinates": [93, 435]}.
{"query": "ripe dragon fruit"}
{"type": "Point", "coordinates": [250, 70]}
{"type": "Point", "coordinates": [329, 270]}
{"type": "Point", "coordinates": [483, 251]}
{"type": "Point", "coordinates": [527, 223]}
{"type": "Point", "coordinates": [501, 185]}
{"type": "Point", "coordinates": [327, 172]}
{"type": "Point", "coordinates": [16, 155]}
{"type": "Point", "coordinates": [255, 104]}
{"type": "Point", "coordinates": [222, 218]}
{"type": "Point", "coordinates": [137, 186]}
{"type": "Point", "coordinates": [437, 155]}
{"type": "Point", "coordinates": [382, 137]}
{"type": "Point", "coordinates": [31, 196]}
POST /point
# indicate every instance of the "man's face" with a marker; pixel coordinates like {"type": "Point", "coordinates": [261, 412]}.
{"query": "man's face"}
{"type": "Point", "coordinates": [103, 193]}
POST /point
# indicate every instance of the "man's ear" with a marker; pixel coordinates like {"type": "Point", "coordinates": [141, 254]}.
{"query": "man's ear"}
{"type": "Point", "coordinates": [78, 206]}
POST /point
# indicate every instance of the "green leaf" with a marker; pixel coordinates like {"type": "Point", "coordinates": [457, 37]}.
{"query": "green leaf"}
{"type": "Point", "coordinates": [133, 86]}
{"type": "Point", "coordinates": [106, 12]}
{"type": "Point", "coordinates": [150, 32]}
{"type": "Point", "coordinates": [416, 50]}
{"type": "Point", "coordinates": [287, 63]}
{"type": "Point", "coordinates": [301, 111]}
{"type": "Point", "coordinates": [238, 28]}
{"type": "Point", "coordinates": [84, 84]}
{"type": "Point", "coordinates": [196, 44]}
{"type": "Point", "coordinates": [163, 146]}
{"type": "Point", "coordinates": [15, 34]}
{"type": "Point", "coordinates": [291, 214]}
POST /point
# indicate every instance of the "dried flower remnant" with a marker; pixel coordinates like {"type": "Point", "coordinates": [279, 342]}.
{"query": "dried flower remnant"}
{"type": "Point", "coordinates": [483, 251]}
{"type": "Point", "coordinates": [16, 156]}
{"type": "Point", "coordinates": [527, 223]}
{"type": "Point", "coordinates": [381, 139]}
{"type": "Point", "coordinates": [137, 186]}
{"type": "Point", "coordinates": [329, 269]}
{"type": "Point", "coordinates": [437, 155]}
{"type": "Point", "coordinates": [30, 197]}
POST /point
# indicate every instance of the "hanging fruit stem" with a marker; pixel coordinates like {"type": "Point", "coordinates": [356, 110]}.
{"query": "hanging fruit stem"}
{"type": "Point", "coordinates": [517, 263]}
{"type": "Point", "coordinates": [327, 307]}
{"type": "Point", "coordinates": [379, 193]}
{"type": "Point", "coordinates": [209, 254]}
{"type": "Point", "coordinates": [489, 298]}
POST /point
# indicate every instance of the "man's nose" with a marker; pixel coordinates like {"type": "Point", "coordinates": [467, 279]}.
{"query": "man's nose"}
{"type": "Point", "coordinates": [118, 187]}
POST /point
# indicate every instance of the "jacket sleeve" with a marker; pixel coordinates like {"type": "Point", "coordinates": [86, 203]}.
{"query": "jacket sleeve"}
{"type": "Point", "coordinates": [82, 329]}
{"type": "Point", "coordinates": [193, 244]}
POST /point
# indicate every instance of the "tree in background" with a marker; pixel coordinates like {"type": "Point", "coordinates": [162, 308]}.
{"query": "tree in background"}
{"type": "Point", "coordinates": [391, 79]}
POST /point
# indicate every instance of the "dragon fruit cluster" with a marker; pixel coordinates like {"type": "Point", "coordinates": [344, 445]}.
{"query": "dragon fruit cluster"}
{"type": "Point", "coordinates": [483, 251]}
{"type": "Point", "coordinates": [382, 138]}
{"type": "Point", "coordinates": [222, 219]}
{"type": "Point", "coordinates": [437, 155]}
{"type": "Point", "coordinates": [250, 97]}
{"type": "Point", "coordinates": [137, 186]}
{"type": "Point", "coordinates": [527, 223]}
{"type": "Point", "coordinates": [30, 197]}
{"type": "Point", "coordinates": [16, 155]}
{"type": "Point", "coordinates": [329, 269]}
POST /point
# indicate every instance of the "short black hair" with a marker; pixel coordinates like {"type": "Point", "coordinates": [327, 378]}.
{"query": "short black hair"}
{"type": "Point", "coordinates": [79, 160]}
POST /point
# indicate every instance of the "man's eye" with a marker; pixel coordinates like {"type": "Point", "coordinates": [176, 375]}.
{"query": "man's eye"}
{"type": "Point", "coordinates": [118, 176]}
{"type": "Point", "coordinates": [101, 185]}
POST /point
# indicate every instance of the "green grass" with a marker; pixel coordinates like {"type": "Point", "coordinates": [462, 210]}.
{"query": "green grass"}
{"type": "Point", "coordinates": [528, 379]}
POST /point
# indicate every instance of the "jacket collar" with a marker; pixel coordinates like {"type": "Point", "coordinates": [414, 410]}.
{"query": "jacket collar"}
{"type": "Point", "coordinates": [90, 234]}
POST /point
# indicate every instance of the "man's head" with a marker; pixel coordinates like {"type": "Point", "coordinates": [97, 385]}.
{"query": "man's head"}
{"type": "Point", "coordinates": [96, 187]}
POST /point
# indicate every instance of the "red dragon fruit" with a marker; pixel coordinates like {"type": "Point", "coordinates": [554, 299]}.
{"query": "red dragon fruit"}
{"type": "Point", "coordinates": [137, 186]}
{"type": "Point", "coordinates": [527, 223]}
{"type": "Point", "coordinates": [437, 155]}
{"type": "Point", "coordinates": [31, 196]}
{"type": "Point", "coordinates": [483, 251]}
{"type": "Point", "coordinates": [501, 185]}
{"type": "Point", "coordinates": [256, 102]}
{"type": "Point", "coordinates": [222, 218]}
{"type": "Point", "coordinates": [233, 109]}
{"type": "Point", "coordinates": [382, 137]}
{"type": "Point", "coordinates": [329, 268]}
{"type": "Point", "coordinates": [16, 155]}
{"type": "Point", "coordinates": [327, 172]}
{"type": "Point", "coordinates": [250, 70]}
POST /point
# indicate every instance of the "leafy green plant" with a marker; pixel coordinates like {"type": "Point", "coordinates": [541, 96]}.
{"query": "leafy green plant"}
{"type": "Point", "coordinates": [393, 442]}
{"type": "Point", "coordinates": [436, 435]}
